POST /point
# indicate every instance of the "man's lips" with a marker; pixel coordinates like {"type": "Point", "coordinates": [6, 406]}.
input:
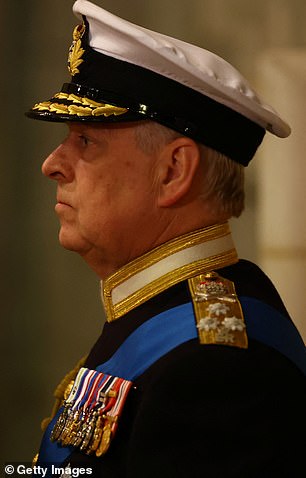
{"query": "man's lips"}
{"type": "Point", "coordinates": [63, 201]}
{"type": "Point", "coordinates": [62, 204]}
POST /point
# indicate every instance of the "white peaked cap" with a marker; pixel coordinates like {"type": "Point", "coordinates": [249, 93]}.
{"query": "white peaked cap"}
{"type": "Point", "coordinates": [183, 62]}
{"type": "Point", "coordinates": [122, 72]}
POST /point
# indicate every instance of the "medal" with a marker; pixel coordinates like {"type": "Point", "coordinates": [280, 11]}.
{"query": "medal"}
{"type": "Point", "coordinates": [91, 410]}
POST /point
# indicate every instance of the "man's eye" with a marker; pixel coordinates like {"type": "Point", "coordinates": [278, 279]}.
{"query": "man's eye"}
{"type": "Point", "coordinates": [84, 140]}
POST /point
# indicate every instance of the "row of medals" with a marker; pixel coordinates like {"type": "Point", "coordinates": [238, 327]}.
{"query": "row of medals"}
{"type": "Point", "coordinates": [90, 432]}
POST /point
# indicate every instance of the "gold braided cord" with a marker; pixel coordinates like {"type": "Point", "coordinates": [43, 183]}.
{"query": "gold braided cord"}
{"type": "Point", "coordinates": [79, 106]}
{"type": "Point", "coordinates": [60, 391]}
{"type": "Point", "coordinates": [168, 280]}
{"type": "Point", "coordinates": [171, 247]}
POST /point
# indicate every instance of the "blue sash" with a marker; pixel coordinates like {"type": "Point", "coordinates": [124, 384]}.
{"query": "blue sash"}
{"type": "Point", "coordinates": [165, 331]}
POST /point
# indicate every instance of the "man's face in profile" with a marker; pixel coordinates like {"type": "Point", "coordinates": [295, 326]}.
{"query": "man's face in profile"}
{"type": "Point", "coordinates": [105, 192]}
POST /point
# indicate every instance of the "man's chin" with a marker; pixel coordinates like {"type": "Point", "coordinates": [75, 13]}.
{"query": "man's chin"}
{"type": "Point", "coordinates": [71, 243]}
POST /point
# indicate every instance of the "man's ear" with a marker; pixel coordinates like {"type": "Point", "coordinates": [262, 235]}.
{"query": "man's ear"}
{"type": "Point", "coordinates": [178, 165]}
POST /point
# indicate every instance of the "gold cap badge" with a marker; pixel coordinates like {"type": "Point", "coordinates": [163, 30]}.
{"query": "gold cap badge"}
{"type": "Point", "coordinates": [76, 51]}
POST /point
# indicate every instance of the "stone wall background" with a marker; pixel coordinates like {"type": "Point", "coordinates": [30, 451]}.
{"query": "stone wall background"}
{"type": "Point", "coordinates": [50, 307]}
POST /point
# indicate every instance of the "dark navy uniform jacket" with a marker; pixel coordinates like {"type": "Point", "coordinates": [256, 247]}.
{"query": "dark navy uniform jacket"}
{"type": "Point", "coordinates": [207, 411]}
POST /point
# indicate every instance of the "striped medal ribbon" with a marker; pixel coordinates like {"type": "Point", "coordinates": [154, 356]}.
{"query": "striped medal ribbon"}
{"type": "Point", "coordinates": [93, 404]}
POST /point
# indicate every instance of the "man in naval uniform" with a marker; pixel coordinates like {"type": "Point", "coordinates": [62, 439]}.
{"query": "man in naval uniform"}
{"type": "Point", "coordinates": [199, 370]}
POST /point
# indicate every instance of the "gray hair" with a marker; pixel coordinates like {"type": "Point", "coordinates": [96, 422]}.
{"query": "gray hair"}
{"type": "Point", "coordinates": [223, 181]}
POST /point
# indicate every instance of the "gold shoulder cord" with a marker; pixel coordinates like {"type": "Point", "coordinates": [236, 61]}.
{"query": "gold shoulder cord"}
{"type": "Point", "coordinates": [218, 312]}
{"type": "Point", "coordinates": [60, 394]}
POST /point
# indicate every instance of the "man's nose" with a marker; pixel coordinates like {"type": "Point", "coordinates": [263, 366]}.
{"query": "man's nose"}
{"type": "Point", "coordinates": [57, 165]}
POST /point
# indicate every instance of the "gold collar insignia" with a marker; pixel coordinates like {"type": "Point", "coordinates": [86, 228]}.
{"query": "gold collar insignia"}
{"type": "Point", "coordinates": [179, 259]}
